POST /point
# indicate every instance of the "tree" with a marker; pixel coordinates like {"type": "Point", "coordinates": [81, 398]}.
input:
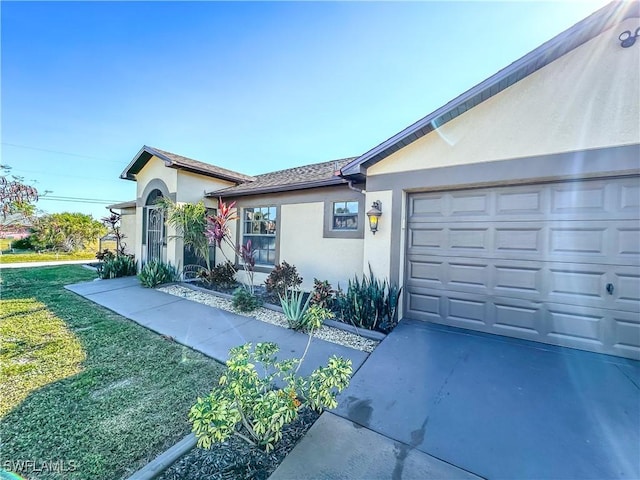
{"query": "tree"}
{"type": "Point", "coordinates": [15, 195]}
{"type": "Point", "coordinates": [190, 222]}
{"type": "Point", "coordinates": [17, 201]}
{"type": "Point", "coordinates": [68, 232]}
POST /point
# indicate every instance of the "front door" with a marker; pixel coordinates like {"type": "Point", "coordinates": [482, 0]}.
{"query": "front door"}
{"type": "Point", "coordinates": [155, 233]}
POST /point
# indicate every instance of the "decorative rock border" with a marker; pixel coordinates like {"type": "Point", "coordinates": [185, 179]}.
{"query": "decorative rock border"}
{"type": "Point", "coordinates": [331, 331]}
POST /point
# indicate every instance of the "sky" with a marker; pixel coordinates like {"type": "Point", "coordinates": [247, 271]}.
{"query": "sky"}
{"type": "Point", "coordinates": [250, 86]}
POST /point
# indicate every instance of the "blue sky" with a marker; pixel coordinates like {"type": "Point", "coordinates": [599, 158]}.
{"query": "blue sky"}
{"type": "Point", "coordinates": [253, 87]}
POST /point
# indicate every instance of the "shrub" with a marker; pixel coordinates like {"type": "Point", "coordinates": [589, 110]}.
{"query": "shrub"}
{"type": "Point", "coordinates": [105, 254]}
{"type": "Point", "coordinates": [315, 317]}
{"type": "Point", "coordinates": [157, 272]}
{"type": "Point", "coordinates": [369, 303]}
{"type": "Point", "coordinates": [244, 300]}
{"type": "Point", "coordinates": [294, 309]}
{"type": "Point", "coordinates": [222, 275]}
{"type": "Point", "coordinates": [322, 293]}
{"type": "Point", "coordinates": [22, 244]}
{"type": "Point", "coordinates": [120, 266]}
{"type": "Point", "coordinates": [245, 403]}
{"type": "Point", "coordinates": [282, 278]}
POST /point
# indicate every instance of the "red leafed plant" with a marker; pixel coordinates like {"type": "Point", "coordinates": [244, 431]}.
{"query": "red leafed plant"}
{"type": "Point", "coordinates": [217, 230]}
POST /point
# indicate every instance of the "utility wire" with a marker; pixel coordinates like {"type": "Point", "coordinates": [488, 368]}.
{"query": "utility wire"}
{"type": "Point", "coordinates": [15, 145]}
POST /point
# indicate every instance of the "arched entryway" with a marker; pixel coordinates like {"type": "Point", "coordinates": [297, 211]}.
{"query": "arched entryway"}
{"type": "Point", "coordinates": [154, 231]}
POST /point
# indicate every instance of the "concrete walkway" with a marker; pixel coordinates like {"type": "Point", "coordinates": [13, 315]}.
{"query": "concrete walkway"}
{"type": "Point", "coordinates": [209, 330]}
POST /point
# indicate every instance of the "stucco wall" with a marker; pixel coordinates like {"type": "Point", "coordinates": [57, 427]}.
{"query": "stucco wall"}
{"type": "Point", "coordinates": [588, 98]}
{"type": "Point", "coordinates": [377, 248]}
{"type": "Point", "coordinates": [302, 245]}
{"type": "Point", "coordinates": [192, 187]}
{"type": "Point", "coordinates": [155, 170]}
{"type": "Point", "coordinates": [128, 229]}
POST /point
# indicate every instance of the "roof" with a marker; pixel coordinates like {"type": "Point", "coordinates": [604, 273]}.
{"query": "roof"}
{"type": "Point", "coordinates": [129, 204]}
{"type": "Point", "coordinates": [297, 178]}
{"type": "Point", "coordinates": [172, 160]}
{"type": "Point", "coordinates": [605, 18]}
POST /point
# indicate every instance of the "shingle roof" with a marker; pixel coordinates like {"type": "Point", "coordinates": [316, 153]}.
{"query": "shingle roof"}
{"type": "Point", "coordinates": [178, 161]}
{"type": "Point", "coordinates": [297, 178]}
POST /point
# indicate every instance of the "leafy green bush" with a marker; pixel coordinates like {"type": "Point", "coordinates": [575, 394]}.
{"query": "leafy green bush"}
{"type": "Point", "coordinates": [315, 317]}
{"type": "Point", "coordinates": [157, 272]}
{"type": "Point", "coordinates": [22, 244]}
{"type": "Point", "coordinates": [282, 278]}
{"type": "Point", "coordinates": [245, 403]}
{"type": "Point", "coordinates": [369, 303]}
{"type": "Point", "coordinates": [244, 300]}
{"type": "Point", "coordinates": [120, 266]}
{"type": "Point", "coordinates": [322, 293]}
{"type": "Point", "coordinates": [294, 308]}
{"type": "Point", "coordinates": [222, 275]}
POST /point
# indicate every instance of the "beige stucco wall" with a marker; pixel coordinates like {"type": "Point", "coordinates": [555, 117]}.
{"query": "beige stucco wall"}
{"type": "Point", "coordinates": [128, 229]}
{"type": "Point", "coordinates": [588, 98]}
{"type": "Point", "coordinates": [302, 244]}
{"type": "Point", "coordinates": [156, 169]}
{"type": "Point", "coordinates": [377, 248]}
{"type": "Point", "coordinates": [192, 187]}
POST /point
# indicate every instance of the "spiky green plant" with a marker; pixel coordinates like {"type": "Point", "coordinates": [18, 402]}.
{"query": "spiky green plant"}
{"type": "Point", "coordinates": [294, 308]}
{"type": "Point", "coordinates": [190, 222]}
{"type": "Point", "coordinates": [369, 303]}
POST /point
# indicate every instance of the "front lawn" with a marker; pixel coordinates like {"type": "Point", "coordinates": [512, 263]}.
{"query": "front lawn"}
{"type": "Point", "coordinates": [85, 387]}
{"type": "Point", "coordinates": [27, 256]}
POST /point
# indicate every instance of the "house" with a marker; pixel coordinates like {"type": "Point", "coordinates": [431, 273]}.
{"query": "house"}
{"type": "Point", "coordinates": [514, 209]}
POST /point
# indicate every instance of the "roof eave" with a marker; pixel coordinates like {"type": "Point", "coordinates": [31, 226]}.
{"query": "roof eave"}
{"type": "Point", "coordinates": [277, 188]}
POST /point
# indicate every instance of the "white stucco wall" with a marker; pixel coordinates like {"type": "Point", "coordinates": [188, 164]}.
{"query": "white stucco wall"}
{"type": "Point", "coordinates": [302, 244]}
{"type": "Point", "coordinates": [588, 98]}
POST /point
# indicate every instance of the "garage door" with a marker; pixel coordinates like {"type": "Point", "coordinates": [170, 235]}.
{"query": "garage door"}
{"type": "Point", "coordinates": [556, 263]}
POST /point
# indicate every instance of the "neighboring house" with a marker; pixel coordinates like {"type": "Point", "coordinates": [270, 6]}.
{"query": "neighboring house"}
{"type": "Point", "coordinates": [514, 209]}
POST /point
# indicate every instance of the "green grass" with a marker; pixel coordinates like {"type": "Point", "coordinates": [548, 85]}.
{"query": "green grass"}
{"type": "Point", "coordinates": [45, 257]}
{"type": "Point", "coordinates": [91, 386]}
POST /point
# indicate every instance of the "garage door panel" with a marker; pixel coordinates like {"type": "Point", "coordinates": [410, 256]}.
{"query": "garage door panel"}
{"type": "Point", "coordinates": [576, 285]}
{"type": "Point", "coordinates": [514, 240]}
{"type": "Point", "coordinates": [627, 242]}
{"type": "Point", "coordinates": [528, 201]}
{"type": "Point", "coordinates": [577, 198]}
{"type": "Point", "coordinates": [555, 263]}
{"type": "Point", "coordinates": [626, 334]}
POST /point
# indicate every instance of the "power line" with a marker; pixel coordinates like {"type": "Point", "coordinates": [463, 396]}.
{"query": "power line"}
{"type": "Point", "coordinates": [28, 147]}
{"type": "Point", "coordinates": [63, 175]}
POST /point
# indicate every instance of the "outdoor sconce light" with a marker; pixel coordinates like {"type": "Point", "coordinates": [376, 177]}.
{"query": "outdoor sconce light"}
{"type": "Point", "coordinates": [374, 215]}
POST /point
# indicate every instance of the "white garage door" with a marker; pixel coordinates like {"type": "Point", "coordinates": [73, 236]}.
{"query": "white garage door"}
{"type": "Point", "coordinates": [557, 263]}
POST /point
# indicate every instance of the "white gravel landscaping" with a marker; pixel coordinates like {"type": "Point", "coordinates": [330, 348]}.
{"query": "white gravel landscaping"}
{"type": "Point", "coordinates": [330, 334]}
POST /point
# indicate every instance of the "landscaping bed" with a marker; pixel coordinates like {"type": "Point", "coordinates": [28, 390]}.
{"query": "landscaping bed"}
{"type": "Point", "coordinates": [235, 459]}
{"type": "Point", "coordinates": [330, 334]}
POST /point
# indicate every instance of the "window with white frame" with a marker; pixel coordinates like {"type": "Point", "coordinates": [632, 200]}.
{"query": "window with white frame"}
{"type": "Point", "coordinates": [345, 216]}
{"type": "Point", "coordinates": [259, 226]}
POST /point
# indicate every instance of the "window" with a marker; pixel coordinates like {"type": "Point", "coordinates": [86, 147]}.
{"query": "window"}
{"type": "Point", "coordinates": [259, 226]}
{"type": "Point", "coordinates": [345, 216]}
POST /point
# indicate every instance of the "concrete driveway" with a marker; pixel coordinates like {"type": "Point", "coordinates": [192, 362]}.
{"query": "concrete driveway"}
{"type": "Point", "coordinates": [437, 402]}
{"type": "Point", "coordinates": [501, 408]}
